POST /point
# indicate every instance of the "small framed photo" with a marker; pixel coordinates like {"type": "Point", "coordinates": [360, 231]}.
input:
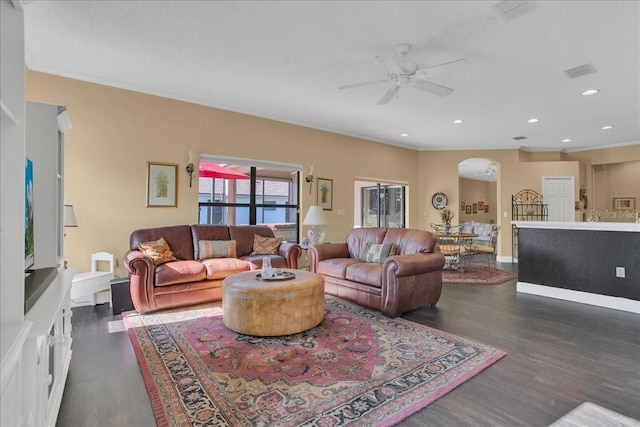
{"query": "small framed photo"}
{"type": "Point", "coordinates": [462, 207]}
{"type": "Point", "coordinates": [468, 209]}
{"type": "Point", "coordinates": [480, 206]}
{"type": "Point", "coordinates": [325, 193]}
{"type": "Point", "coordinates": [624, 203]}
{"type": "Point", "coordinates": [162, 185]}
{"type": "Point", "coordinates": [486, 208]}
{"type": "Point", "coordinates": [475, 208]}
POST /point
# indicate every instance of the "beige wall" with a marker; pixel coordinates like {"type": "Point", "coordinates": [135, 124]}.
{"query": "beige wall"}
{"type": "Point", "coordinates": [615, 180]}
{"type": "Point", "coordinates": [438, 171]}
{"type": "Point", "coordinates": [116, 132]}
{"type": "Point", "coordinates": [473, 191]}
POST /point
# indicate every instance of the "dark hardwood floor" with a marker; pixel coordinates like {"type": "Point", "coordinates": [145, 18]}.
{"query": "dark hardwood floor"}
{"type": "Point", "coordinates": [559, 354]}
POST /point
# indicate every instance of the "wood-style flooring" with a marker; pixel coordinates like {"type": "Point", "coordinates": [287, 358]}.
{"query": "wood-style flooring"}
{"type": "Point", "coordinates": [559, 354]}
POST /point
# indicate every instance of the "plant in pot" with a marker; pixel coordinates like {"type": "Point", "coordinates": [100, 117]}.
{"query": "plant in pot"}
{"type": "Point", "coordinates": [447, 215]}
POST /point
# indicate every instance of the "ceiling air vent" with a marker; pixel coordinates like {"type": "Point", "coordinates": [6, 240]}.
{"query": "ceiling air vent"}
{"type": "Point", "coordinates": [581, 70]}
{"type": "Point", "coordinates": [520, 138]}
{"type": "Point", "coordinates": [512, 9]}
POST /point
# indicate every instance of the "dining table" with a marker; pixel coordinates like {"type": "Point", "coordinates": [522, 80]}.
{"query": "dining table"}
{"type": "Point", "coordinates": [454, 247]}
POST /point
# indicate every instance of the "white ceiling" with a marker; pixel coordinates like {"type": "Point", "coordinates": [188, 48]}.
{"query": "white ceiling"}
{"type": "Point", "coordinates": [285, 60]}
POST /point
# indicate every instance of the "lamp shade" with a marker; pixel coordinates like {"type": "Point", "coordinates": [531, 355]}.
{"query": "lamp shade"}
{"type": "Point", "coordinates": [69, 216]}
{"type": "Point", "coordinates": [315, 216]}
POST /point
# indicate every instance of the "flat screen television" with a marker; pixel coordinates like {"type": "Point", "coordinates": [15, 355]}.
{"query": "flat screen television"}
{"type": "Point", "coordinates": [28, 216]}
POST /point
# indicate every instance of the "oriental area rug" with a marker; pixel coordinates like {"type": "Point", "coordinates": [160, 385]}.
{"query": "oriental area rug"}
{"type": "Point", "coordinates": [477, 275]}
{"type": "Point", "coordinates": [356, 368]}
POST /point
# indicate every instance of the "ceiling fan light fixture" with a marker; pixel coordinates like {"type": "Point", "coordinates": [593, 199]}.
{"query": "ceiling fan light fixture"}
{"type": "Point", "coordinates": [590, 92]}
{"type": "Point", "coordinates": [607, 127]}
{"type": "Point", "coordinates": [458, 121]}
{"type": "Point", "coordinates": [404, 134]}
{"type": "Point", "coordinates": [566, 140]}
{"type": "Point", "coordinates": [533, 120]}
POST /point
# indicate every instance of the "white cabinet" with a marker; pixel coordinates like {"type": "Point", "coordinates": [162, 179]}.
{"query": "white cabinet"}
{"type": "Point", "coordinates": [13, 328]}
{"type": "Point", "coordinates": [46, 354]}
{"type": "Point", "coordinates": [36, 346]}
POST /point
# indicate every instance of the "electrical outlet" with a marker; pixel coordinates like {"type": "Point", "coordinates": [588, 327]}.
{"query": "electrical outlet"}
{"type": "Point", "coordinates": [620, 272]}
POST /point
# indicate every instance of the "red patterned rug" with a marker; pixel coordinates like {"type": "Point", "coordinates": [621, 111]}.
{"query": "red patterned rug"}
{"type": "Point", "coordinates": [477, 275]}
{"type": "Point", "coordinates": [356, 368]}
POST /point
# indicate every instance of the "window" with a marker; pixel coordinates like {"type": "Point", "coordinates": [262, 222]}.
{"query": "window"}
{"type": "Point", "coordinates": [381, 205]}
{"type": "Point", "coordinates": [254, 194]}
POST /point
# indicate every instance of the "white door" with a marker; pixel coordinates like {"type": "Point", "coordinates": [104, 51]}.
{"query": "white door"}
{"type": "Point", "coordinates": [558, 194]}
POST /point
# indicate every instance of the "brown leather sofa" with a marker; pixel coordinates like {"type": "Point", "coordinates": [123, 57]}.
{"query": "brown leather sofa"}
{"type": "Point", "coordinates": [402, 282]}
{"type": "Point", "coordinates": [188, 280]}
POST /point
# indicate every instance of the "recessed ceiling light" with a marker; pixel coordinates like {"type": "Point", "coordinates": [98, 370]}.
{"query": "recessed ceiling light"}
{"type": "Point", "coordinates": [590, 92]}
{"type": "Point", "coordinates": [607, 127]}
{"type": "Point", "coordinates": [404, 134]}
{"type": "Point", "coordinates": [566, 140]}
{"type": "Point", "coordinates": [534, 120]}
{"type": "Point", "coordinates": [458, 121]}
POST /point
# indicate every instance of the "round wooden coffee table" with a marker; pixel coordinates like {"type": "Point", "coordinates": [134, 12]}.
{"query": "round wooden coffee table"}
{"type": "Point", "coordinates": [251, 306]}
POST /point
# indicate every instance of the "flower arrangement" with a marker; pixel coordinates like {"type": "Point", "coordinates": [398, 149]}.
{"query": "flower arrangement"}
{"type": "Point", "coordinates": [446, 215]}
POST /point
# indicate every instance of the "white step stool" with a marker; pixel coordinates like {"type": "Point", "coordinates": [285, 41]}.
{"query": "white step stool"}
{"type": "Point", "coordinates": [93, 287]}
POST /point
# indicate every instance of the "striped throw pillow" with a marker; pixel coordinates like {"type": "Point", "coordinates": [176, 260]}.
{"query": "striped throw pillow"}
{"type": "Point", "coordinates": [216, 249]}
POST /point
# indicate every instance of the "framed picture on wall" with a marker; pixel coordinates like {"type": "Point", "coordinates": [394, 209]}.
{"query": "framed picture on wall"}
{"type": "Point", "coordinates": [480, 206]}
{"type": "Point", "coordinates": [162, 185]}
{"type": "Point", "coordinates": [475, 208]}
{"type": "Point", "coordinates": [462, 207]}
{"type": "Point", "coordinates": [325, 193]}
{"type": "Point", "coordinates": [468, 209]}
{"type": "Point", "coordinates": [624, 203]}
{"type": "Point", "coordinates": [486, 208]}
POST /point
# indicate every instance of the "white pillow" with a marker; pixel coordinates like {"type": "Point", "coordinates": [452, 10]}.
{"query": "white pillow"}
{"type": "Point", "coordinates": [483, 229]}
{"type": "Point", "coordinates": [467, 227]}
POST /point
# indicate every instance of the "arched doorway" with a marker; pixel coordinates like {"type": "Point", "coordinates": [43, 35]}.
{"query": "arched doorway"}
{"type": "Point", "coordinates": [478, 190]}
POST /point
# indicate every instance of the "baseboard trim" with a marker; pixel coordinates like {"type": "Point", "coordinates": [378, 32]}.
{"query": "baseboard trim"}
{"type": "Point", "coordinates": [616, 303]}
{"type": "Point", "coordinates": [507, 259]}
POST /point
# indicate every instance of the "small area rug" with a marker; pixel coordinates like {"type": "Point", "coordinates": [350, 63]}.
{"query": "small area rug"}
{"type": "Point", "coordinates": [590, 414]}
{"type": "Point", "coordinates": [477, 275]}
{"type": "Point", "coordinates": [356, 368]}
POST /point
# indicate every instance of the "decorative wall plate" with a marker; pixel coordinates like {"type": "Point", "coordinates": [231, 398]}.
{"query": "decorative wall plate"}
{"type": "Point", "coordinates": [439, 200]}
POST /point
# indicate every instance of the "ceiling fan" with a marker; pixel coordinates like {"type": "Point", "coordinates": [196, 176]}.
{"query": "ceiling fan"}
{"type": "Point", "coordinates": [403, 72]}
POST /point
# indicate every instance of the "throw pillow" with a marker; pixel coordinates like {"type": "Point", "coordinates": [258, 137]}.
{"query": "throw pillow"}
{"type": "Point", "coordinates": [158, 250]}
{"type": "Point", "coordinates": [265, 245]}
{"type": "Point", "coordinates": [216, 249]}
{"type": "Point", "coordinates": [378, 252]}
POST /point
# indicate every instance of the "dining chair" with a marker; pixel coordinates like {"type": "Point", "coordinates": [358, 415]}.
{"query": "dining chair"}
{"type": "Point", "coordinates": [489, 249]}
{"type": "Point", "coordinates": [451, 247]}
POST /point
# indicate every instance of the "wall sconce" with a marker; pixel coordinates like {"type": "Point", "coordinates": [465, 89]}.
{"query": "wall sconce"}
{"type": "Point", "coordinates": [309, 179]}
{"type": "Point", "coordinates": [190, 168]}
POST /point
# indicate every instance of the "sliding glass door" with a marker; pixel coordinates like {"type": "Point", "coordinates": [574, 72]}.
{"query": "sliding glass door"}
{"type": "Point", "coordinates": [383, 206]}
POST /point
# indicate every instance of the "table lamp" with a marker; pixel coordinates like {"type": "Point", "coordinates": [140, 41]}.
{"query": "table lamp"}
{"type": "Point", "coordinates": [316, 219]}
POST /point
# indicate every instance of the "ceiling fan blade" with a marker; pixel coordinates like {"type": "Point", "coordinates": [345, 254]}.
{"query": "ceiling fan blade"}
{"type": "Point", "coordinates": [432, 88]}
{"type": "Point", "coordinates": [389, 95]}
{"type": "Point", "coordinates": [363, 84]}
{"type": "Point", "coordinates": [441, 68]}
{"type": "Point", "coordinates": [391, 66]}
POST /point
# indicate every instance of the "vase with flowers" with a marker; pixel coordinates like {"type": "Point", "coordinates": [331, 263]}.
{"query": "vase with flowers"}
{"type": "Point", "coordinates": [447, 215]}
